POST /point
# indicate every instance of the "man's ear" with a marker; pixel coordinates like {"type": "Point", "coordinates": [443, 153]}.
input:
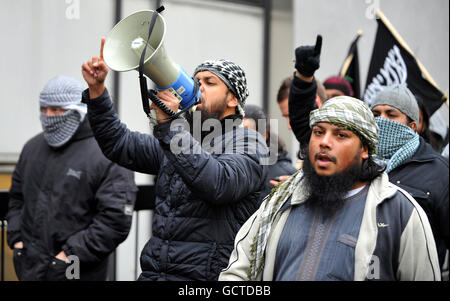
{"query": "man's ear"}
{"type": "Point", "coordinates": [413, 126]}
{"type": "Point", "coordinates": [365, 152]}
{"type": "Point", "coordinates": [232, 101]}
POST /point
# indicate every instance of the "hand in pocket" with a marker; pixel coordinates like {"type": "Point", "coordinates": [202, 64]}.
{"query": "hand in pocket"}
{"type": "Point", "coordinates": [57, 270]}
{"type": "Point", "coordinates": [19, 261]}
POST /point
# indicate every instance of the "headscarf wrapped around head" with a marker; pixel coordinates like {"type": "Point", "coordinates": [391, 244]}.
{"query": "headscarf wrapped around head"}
{"type": "Point", "coordinates": [232, 75]}
{"type": "Point", "coordinates": [352, 114]}
{"type": "Point", "coordinates": [64, 92]}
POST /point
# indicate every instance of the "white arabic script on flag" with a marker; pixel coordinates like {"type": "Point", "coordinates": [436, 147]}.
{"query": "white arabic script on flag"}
{"type": "Point", "coordinates": [394, 71]}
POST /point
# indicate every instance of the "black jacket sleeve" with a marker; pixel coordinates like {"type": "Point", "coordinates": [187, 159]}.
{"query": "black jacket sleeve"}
{"type": "Point", "coordinates": [133, 150]}
{"type": "Point", "coordinates": [302, 96]}
{"type": "Point", "coordinates": [217, 179]}
{"type": "Point", "coordinates": [115, 198]}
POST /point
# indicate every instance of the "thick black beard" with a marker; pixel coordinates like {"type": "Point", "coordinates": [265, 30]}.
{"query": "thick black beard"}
{"type": "Point", "coordinates": [205, 115]}
{"type": "Point", "coordinates": [326, 193]}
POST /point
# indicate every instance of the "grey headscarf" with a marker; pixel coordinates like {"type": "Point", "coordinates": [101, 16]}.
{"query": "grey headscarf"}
{"type": "Point", "coordinates": [64, 92]}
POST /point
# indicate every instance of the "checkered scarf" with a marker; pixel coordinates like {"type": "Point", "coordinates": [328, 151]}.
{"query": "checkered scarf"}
{"type": "Point", "coordinates": [58, 130]}
{"type": "Point", "coordinates": [65, 92]}
{"type": "Point", "coordinates": [273, 203]}
{"type": "Point", "coordinates": [232, 75]}
{"type": "Point", "coordinates": [398, 143]}
{"type": "Point", "coordinates": [352, 114]}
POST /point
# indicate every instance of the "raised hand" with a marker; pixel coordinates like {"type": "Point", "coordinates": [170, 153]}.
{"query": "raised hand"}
{"type": "Point", "coordinates": [307, 58]}
{"type": "Point", "coordinates": [95, 72]}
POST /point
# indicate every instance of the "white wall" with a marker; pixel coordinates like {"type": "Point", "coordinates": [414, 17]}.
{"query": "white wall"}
{"type": "Point", "coordinates": [42, 39]}
{"type": "Point", "coordinates": [281, 66]}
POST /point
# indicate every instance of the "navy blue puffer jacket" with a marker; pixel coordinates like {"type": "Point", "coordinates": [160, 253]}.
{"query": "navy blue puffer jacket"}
{"type": "Point", "coordinates": [204, 193]}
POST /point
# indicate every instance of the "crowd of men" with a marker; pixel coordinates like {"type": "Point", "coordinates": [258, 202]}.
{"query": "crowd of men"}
{"type": "Point", "coordinates": [369, 200]}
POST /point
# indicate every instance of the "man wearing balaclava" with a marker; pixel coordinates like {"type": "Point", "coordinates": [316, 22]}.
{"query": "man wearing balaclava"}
{"type": "Point", "coordinates": [69, 206]}
{"type": "Point", "coordinates": [338, 218]}
{"type": "Point", "coordinates": [412, 164]}
{"type": "Point", "coordinates": [209, 178]}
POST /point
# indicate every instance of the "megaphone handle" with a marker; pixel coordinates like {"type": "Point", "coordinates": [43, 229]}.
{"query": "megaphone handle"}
{"type": "Point", "coordinates": [144, 95]}
{"type": "Point", "coordinates": [160, 104]}
{"type": "Point", "coordinates": [143, 81]}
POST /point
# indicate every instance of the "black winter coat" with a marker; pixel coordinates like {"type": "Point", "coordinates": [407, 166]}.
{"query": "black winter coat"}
{"type": "Point", "coordinates": [204, 193]}
{"type": "Point", "coordinates": [425, 177]}
{"type": "Point", "coordinates": [283, 167]}
{"type": "Point", "coordinates": [72, 199]}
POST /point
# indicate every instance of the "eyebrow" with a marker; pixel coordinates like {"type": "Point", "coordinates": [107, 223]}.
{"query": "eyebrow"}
{"type": "Point", "coordinates": [390, 110]}
{"type": "Point", "coordinates": [337, 128]}
{"type": "Point", "coordinates": [208, 77]}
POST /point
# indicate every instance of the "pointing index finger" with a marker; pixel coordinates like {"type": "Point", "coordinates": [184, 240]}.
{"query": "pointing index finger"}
{"type": "Point", "coordinates": [318, 47]}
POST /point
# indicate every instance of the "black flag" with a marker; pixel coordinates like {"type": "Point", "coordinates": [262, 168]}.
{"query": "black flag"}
{"type": "Point", "coordinates": [392, 64]}
{"type": "Point", "coordinates": [350, 68]}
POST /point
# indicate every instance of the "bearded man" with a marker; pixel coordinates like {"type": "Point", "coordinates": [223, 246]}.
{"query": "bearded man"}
{"type": "Point", "coordinates": [204, 191]}
{"type": "Point", "coordinates": [339, 218]}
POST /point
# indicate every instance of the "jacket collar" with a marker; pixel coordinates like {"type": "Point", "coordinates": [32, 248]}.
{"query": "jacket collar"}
{"type": "Point", "coordinates": [84, 131]}
{"type": "Point", "coordinates": [235, 119]}
{"type": "Point", "coordinates": [424, 153]}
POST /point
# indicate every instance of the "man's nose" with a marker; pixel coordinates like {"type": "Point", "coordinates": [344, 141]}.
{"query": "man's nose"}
{"type": "Point", "coordinates": [325, 141]}
{"type": "Point", "coordinates": [383, 115]}
{"type": "Point", "coordinates": [202, 88]}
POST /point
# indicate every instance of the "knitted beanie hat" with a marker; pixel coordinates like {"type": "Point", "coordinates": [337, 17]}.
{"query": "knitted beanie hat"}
{"type": "Point", "coordinates": [399, 97]}
{"type": "Point", "coordinates": [232, 75]}
{"type": "Point", "coordinates": [339, 83]}
{"type": "Point", "coordinates": [352, 114]}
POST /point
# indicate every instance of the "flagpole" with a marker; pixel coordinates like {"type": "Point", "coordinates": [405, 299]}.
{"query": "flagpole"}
{"type": "Point", "coordinates": [404, 45]}
{"type": "Point", "coordinates": [349, 59]}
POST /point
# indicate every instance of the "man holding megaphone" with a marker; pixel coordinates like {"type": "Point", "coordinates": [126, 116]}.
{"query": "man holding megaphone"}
{"type": "Point", "coordinates": [204, 191]}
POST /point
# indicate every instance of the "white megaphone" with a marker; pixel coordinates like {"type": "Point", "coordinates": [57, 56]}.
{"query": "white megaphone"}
{"type": "Point", "coordinates": [125, 44]}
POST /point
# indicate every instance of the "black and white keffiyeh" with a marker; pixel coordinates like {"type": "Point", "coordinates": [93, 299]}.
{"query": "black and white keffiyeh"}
{"type": "Point", "coordinates": [232, 75]}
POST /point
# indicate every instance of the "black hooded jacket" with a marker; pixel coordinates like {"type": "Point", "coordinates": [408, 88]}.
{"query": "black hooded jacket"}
{"type": "Point", "coordinates": [425, 177]}
{"type": "Point", "coordinates": [69, 199]}
{"type": "Point", "coordinates": [204, 193]}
